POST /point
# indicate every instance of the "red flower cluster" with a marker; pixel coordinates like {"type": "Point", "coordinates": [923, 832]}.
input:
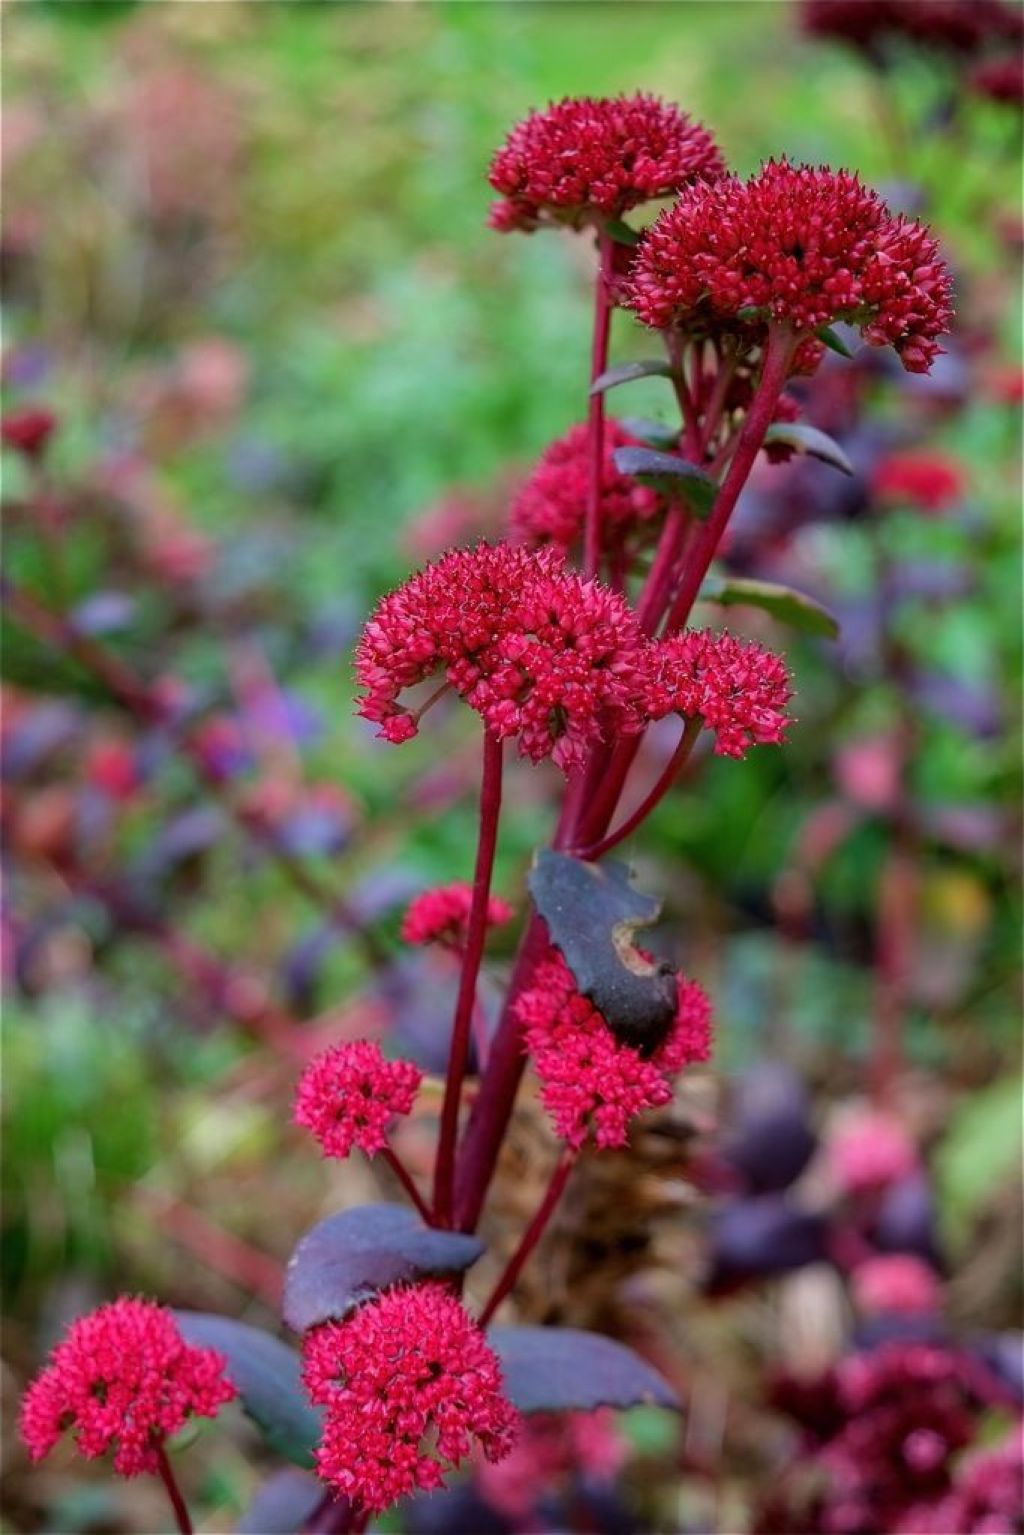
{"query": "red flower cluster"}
{"type": "Point", "coordinates": [895, 1283]}
{"type": "Point", "coordinates": [739, 690]}
{"type": "Point", "coordinates": [538, 652]}
{"type": "Point", "coordinates": [408, 1383]}
{"type": "Point", "coordinates": [348, 1095]}
{"type": "Point", "coordinates": [551, 505]}
{"type": "Point", "coordinates": [799, 245]}
{"type": "Point", "coordinates": [442, 915]}
{"type": "Point", "coordinates": [28, 430]}
{"type": "Point", "coordinates": [1000, 80]}
{"type": "Point", "coordinates": [123, 1378]}
{"type": "Point", "coordinates": [932, 482]}
{"type": "Point", "coordinates": [869, 1151]}
{"type": "Point", "coordinates": [954, 26]}
{"type": "Point", "coordinates": [589, 1081]}
{"type": "Point", "coordinates": [987, 1495]}
{"type": "Point", "coordinates": [586, 157]}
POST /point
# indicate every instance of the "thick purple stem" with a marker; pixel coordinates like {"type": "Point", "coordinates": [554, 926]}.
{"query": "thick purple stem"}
{"type": "Point", "coordinates": [490, 810]}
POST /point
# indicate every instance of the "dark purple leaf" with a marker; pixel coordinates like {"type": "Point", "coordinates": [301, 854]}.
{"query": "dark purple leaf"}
{"type": "Point", "coordinates": [313, 831]}
{"type": "Point", "coordinates": [750, 1238]}
{"type": "Point", "coordinates": [45, 730]}
{"type": "Point", "coordinates": [670, 474]}
{"type": "Point", "coordinates": [906, 1220]}
{"type": "Point", "coordinates": [349, 1256]}
{"type": "Point", "coordinates": [895, 1327]}
{"type": "Point", "coordinates": [103, 613]}
{"type": "Point", "coordinates": [561, 1369]}
{"type": "Point", "coordinates": [771, 1140]}
{"type": "Point", "coordinates": [1003, 1354]}
{"type": "Point", "coordinates": [267, 1374]}
{"type": "Point", "coordinates": [188, 835]}
{"type": "Point", "coordinates": [456, 1510]}
{"type": "Point", "coordinates": [974, 706]}
{"type": "Point", "coordinates": [282, 1505]}
{"type": "Point", "coordinates": [592, 913]}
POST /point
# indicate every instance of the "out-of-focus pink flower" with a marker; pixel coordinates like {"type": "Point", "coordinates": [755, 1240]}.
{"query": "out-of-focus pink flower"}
{"type": "Point", "coordinates": [442, 915]}
{"type": "Point", "coordinates": [551, 504]}
{"type": "Point", "coordinates": [929, 481]}
{"type": "Point", "coordinates": [895, 1283]}
{"type": "Point", "coordinates": [868, 1151]}
{"type": "Point", "coordinates": [28, 429]}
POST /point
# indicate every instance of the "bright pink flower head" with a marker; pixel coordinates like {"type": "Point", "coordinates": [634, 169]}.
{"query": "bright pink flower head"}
{"type": "Point", "coordinates": [589, 1081]}
{"type": "Point", "coordinates": [551, 505]}
{"type": "Point", "coordinates": [538, 652]}
{"type": "Point", "coordinates": [930, 481]}
{"type": "Point", "coordinates": [895, 1282]}
{"type": "Point", "coordinates": [409, 1385]}
{"type": "Point", "coordinates": [124, 1379]}
{"type": "Point", "coordinates": [442, 915]}
{"type": "Point", "coordinates": [987, 1495]}
{"type": "Point", "coordinates": [799, 245]}
{"type": "Point", "coordinates": [349, 1094]}
{"type": "Point", "coordinates": [588, 157]}
{"type": "Point", "coordinates": [869, 1151]}
{"type": "Point", "coordinates": [28, 430]}
{"type": "Point", "coordinates": [739, 690]}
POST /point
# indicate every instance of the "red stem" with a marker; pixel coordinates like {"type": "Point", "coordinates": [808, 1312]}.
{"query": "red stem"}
{"type": "Point", "coordinates": [686, 744]}
{"type": "Point", "coordinates": [404, 1177]}
{"type": "Point", "coordinates": [490, 810]}
{"type": "Point", "coordinates": [532, 1235]}
{"type": "Point", "coordinates": [595, 407]}
{"type": "Point", "coordinates": [778, 356]}
{"type": "Point", "coordinates": [181, 1514]}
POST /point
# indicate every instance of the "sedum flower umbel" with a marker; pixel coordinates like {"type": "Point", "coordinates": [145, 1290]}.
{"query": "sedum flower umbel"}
{"type": "Point", "coordinates": [349, 1094]}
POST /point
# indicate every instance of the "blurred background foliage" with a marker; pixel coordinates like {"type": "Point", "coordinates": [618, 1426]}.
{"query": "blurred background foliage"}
{"type": "Point", "coordinates": [246, 263]}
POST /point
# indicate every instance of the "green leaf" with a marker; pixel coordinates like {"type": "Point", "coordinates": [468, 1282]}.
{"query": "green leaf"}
{"type": "Point", "coordinates": [672, 475]}
{"type": "Point", "coordinates": [809, 440]}
{"type": "Point", "coordinates": [267, 1374]}
{"type": "Point", "coordinates": [833, 341]}
{"type": "Point", "coordinates": [658, 434]}
{"type": "Point", "coordinates": [592, 912]}
{"type": "Point", "coordinates": [626, 372]}
{"type": "Point", "coordinates": [621, 232]}
{"type": "Point", "coordinates": [979, 1154]}
{"type": "Point", "coordinates": [790, 607]}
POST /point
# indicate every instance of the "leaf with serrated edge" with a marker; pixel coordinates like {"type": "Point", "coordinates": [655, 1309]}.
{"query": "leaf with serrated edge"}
{"type": "Point", "coordinates": [562, 1369]}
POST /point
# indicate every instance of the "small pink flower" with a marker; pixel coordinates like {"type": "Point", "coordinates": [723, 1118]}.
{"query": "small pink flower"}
{"type": "Point", "coordinates": [740, 690]}
{"type": "Point", "coordinates": [124, 1379]}
{"type": "Point", "coordinates": [441, 915]}
{"type": "Point", "coordinates": [408, 1384]}
{"type": "Point", "coordinates": [869, 1151]}
{"type": "Point", "coordinates": [586, 157]}
{"type": "Point", "coordinates": [590, 1083]}
{"type": "Point", "coordinates": [349, 1094]}
{"type": "Point", "coordinates": [929, 481]}
{"type": "Point", "coordinates": [896, 1282]}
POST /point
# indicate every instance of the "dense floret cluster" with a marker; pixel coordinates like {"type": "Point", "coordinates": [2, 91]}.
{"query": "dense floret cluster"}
{"type": "Point", "coordinates": [551, 504]}
{"type": "Point", "coordinates": [409, 1385]}
{"type": "Point", "coordinates": [798, 245]}
{"type": "Point", "coordinates": [590, 1083]}
{"type": "Point", "coordinates": [442, 915]}
{"type": "Point", "coordinates": [124, 1379]}
{"type": "Point", "coordinates": [587, 157]}
{"type": "Point", "coordinates": [539, 653]}
{"type": "Point", "coordinates": [740, 690]}
{"type": "Point", "coordinates": [349, 1094]}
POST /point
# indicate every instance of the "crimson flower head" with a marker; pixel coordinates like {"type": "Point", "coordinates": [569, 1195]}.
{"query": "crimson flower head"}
{"type": "Point", "coordinates": [409, 1385]}
{"type": "Point", "coordinates": [930, 481]}
{"type": "Point", "coordinates": [349, 1094]}
{"type": "Point", "coordinates": [590, 1083]}
{"type": "Point", "coordinates": [28, 430]}
{"type": "Point", "coordinates": [442, 915]}
{"type": "Point", "coordinates": [586, 158]}
{"type": "Point", "coordinates": [799, 246]}
{"type": "Point", "coordinates": [539, 653]}
{"type": "Point", "coordinates": [551, 504]}
{"type": "Point", "coordinates": [124, 1379]}
{"type": "Point", "coordinates": [740, 690]}
{"type": "Point", "coordinates": [986, 1498]}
